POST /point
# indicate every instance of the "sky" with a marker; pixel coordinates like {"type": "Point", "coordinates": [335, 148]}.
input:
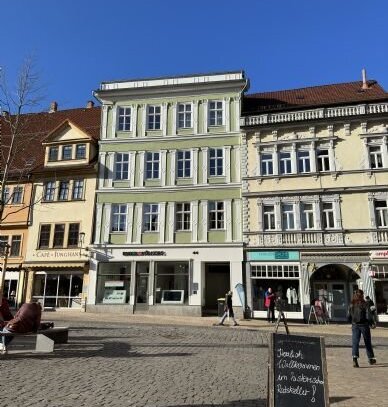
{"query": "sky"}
{"type": "Point", "coordinates": [280, 44]}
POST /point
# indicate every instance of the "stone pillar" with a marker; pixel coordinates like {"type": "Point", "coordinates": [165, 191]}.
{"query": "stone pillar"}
{"type": "Point", "coordinates": [97, 231]}
{"type": "Point", "coordinates": [227, 164]}
{"type": "Point", "coordinates": [130, 207]}
{"type": "Point", "coordinates": [194, 221]}
{"type": "Point", "coordinates": [162, 221]}
{"type": "Point", "coordinates": [107, 222]}
{"type": "Point", "coordinates": [205, 161]}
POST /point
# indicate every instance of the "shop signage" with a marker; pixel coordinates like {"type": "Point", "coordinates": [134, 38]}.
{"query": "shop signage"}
{"type": "Point", "coordinates": [297, 371]}
{"type": "Point", "coordinates": [145, 253]}
{"type": "Point", "coordinates": [273, 256]}
{"type": "Point", "coordinates": [114, 283]}
{"type": "Point", "coordinates": [56, 254]}
{"type": "Point", "coordinates": [114, 296]}
{"type": "Point", "coordinates": [379, 254]}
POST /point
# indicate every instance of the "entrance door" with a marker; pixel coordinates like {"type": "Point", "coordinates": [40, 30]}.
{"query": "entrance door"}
{"type": "Point", "coordinates": [142, 276]}
{"type": "Point", "coordinates": [217, 283]}
{"type": "Point", "coordinates": [334, 295]}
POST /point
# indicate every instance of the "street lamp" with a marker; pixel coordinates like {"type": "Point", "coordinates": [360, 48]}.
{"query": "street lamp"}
{"type": "Point", "coordinates": [4, 250]}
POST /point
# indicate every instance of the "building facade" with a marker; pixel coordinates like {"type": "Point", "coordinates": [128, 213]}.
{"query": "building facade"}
{"type": "Point", "coordinates": [315, 176]}
{"type": "Point", "coordinates": [168, 235]}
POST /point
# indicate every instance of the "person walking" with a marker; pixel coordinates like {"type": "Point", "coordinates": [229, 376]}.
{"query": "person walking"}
{"type": "Point", "coordinates": [228, 309]}
{"type": "Point", "coordinates": [269, 303]}
{"type": "Point", "coordinates": [361, 322]}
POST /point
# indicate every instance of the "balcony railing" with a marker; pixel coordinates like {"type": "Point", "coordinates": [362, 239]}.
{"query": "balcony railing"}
{"type": "Point", "coordinates": [299, 238]}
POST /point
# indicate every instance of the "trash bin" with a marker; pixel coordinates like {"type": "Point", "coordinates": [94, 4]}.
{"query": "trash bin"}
{"type": "Point", "coordinates": [221, 306]}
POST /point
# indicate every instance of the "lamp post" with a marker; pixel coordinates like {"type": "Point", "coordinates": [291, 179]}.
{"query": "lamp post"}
{"type": "Point", "coordinates": [4, 247]}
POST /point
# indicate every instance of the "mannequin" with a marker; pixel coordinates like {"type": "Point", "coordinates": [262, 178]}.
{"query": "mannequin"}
{"type": "Point", "coordinates": [292, 297]}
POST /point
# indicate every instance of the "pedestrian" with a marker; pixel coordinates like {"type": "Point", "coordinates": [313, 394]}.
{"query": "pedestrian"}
{"type": "Point", "coordinates": [228, 309]}
{"type": "Point", "coordinates": [27, 319]}
{"type": "Point", "coordinates": [269, 303]}
{"type": "Point", "coordinates": [361, 322]}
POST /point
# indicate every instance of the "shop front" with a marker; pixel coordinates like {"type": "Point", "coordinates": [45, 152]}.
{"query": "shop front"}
{"type": "Point", "coordinates": [167, 281]}
{"type": "Point", "coordinates": [378, 272]}
{"type": "Point", "coordinates": [279, 270]}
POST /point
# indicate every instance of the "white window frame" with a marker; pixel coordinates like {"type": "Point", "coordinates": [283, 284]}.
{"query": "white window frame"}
{"type": "Point", "coordinates": [322, 160]}
{"type": "Point", "coordinates": [52, 190]}
{"type": "Point", "coordinates": [183, 216]}
{"type": "Point", "coordinates": [268, 216]}
{"type": "Point", "coordinates": [78, 186]}
{"type": "Point", "coordinates": [219, 114]}
{"type": "Point", "coordinates": [285, 162]}
{"type": "Point", "coordinates": [149, 211]}
{"type": "Point", "coordinates": [152, 161]}
{"type": "Point", "coordinates": [66, 190]}
{"type": "Point", "coordinates": [119, 217]}
{"type": "Point", "coordinates": [70, 147]}
{"type": "Point", "coordinates": [124, 112]}
{"type": "Point", "coordinates": [182, 161]}
{"type": "Point", "coordinates": [375, 157]}
{"type": "Point", "coordinates": [185, 116]}
{"type": "Point", "coordinates": [306, 216]}
{"type": "Point", "coordinates": [19, 194]}
{"type": "Point", "coordinates": [326, 215]}
{"type": "Point", "coordinates": [216, 160]}
{"type": "Point", "coordinates": [288, 216]}
{"type": "Point", "coordinates": [304, 163]}
{"type": "Point", "coordinates": [381, 214]}
{"type": "Point", "coordinates": [121, 162]}
{"type": "Point", "coordinates": [218, 214]}
{"type": "Point", "coordinates": [153, 114]}
{"type": "Point", "coordinates": [266, 164]}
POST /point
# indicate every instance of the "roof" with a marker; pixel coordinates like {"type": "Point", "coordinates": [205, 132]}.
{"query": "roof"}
{"type": "Point", "coordinates": [312, 97]}
{"type": "Point", "coordinates": [35, 128]}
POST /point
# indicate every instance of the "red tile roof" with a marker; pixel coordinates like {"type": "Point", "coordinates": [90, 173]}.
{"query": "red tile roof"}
{"type": "Point", "coordinates": [36, 127]}
{"type": "Point", "coordinates": [312, 97]}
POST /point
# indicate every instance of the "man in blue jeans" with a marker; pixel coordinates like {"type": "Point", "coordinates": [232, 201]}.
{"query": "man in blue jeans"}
{"type": "Point", "coordinates": [358, 313]}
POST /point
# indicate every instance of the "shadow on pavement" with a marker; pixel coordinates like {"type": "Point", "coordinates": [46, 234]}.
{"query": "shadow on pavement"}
{"type": "Point", "coordinates": [236, 403]}
{"type": "Point", "coordinates": [338, 399]}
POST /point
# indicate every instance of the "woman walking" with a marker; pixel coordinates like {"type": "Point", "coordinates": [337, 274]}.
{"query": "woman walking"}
{"type": "Point", "coordinates": [270, 305]}
{"type": "Point", "coordinates": [361, 322]}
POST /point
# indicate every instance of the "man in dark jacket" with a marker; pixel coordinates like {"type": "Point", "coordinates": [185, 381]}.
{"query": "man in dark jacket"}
{"type": "Point", "coordinates": [228, 309]}
{"type": "Point", "coordinates": [27, 319]}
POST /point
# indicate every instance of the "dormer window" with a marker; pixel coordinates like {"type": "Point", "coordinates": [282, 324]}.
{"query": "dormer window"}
{"type": "Point", "coordinates": [67, 152]}
{"type": "Point", "coordinates": [80, 151]}
{"type": "Point", "coordinates": [53, 154]}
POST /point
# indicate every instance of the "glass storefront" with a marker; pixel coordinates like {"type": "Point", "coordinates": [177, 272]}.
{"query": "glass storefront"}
{"type": "Point", "coordinates": [58, 290]}
{"type": "Point", "coordinates": [9, 291]}
{"type": "Point", "coordinates": [171, 282]}
{"type": "Point", "coordinates": [114, 280]}
{"type": "Point", "coordinates": [283, 278]}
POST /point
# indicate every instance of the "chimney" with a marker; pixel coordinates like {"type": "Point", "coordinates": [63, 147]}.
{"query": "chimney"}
{"type": "Point", "coordinates": [90, 104]}
{"type": "Point", "coordinates": [53, 107]}
{"type": "Point", "coordinates": [364, 82]}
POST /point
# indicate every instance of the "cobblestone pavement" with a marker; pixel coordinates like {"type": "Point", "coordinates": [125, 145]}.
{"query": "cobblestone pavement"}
{"type": "Point", "coordinates": [129, 364]}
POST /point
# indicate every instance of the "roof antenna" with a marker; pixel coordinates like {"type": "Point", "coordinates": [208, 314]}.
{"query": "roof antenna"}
{"type": "Point", "coordinates": [364, 82]}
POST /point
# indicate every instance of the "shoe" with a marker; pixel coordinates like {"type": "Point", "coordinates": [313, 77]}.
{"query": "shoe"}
{"type": "Point", "coordinates": [220, 324]}
{"type": "Point", "coordinates": [236, 324]}
{"type": "Point", "coordinates": [355, 362]}
{"type": "Point", "coordinates": [372, 361]}
{"type": "Point", "coordinates": [3, 349]}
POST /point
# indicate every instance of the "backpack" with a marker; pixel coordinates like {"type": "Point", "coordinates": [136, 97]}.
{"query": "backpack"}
{"type": "Point", "coordinates": [359, 314]}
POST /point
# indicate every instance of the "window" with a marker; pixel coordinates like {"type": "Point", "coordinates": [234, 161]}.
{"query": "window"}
{"type": "Point", "coordinates": [171, 282]}
{"type": "Point", "coordinates": [124, 116]}
{"type": "Point", "coordinates": [80, 151]}
{"type": "Point", "coordinates": [153, 122]}
{"type": "Point", "coordinates": [151, 218]}
{"type": "Point", "coordinates": [266, 164]}
{"type": "Point", "coordinates": [269, 217]}
{"type": "Point", "coordinates": [78, 189]}
{"type": "Point", "coordinates": [288, 216]}
{"type": "Point", "coordinates": [73, 236]}
{"type": "Point", "coordinates": [184, 115]}
{"type": "Point", "coordinates": [307, 216]}
{"type": "Point", "coordinates": [122, 166]}
{"type": "Point", "coordinates": [216, 161]}
{"type": "Point", "coordinates": [303, 161]}
{"type": "Point", "coordinates": [323, 160]}
{"type": "Point", "coordinates": [152, 165]}
{"type": "Point", "coordinates": [63, 190]}
{"type": "Point", "coordinates": [17, 195]}
{"type": "Point", "coordinates": [3, 244]}
{"type": "Point", "coordinates": [215, 113]}
{"type": "Point", "coordinates": [15, 245]}
{"type": "Point", "coordinates": [6, 194]}
{"type": "Point", "coordinates": [59, 235]}
{"type": "Point", "coordinates": [44, 236]}
{"type": "Point", "coordinates": [381, 213]}
{"type": "Point", "coordinates": [285, 163]}
{"type": "Point", "coordinates": [119, 218]}
{"type": "Point", "coordinates": [53, 154]}
{"type": "Point", "coordinates": [184, 164]}
{"type": "Point", "coordinates": [67, 152]}
{"type": "Point", "coordinates": [216, 215]}
{"type": "Point", "coordinates": [328, 215]}
{"type": "Point", "coordinates": [376, 157]}
{"type": "Point", "coordinates": [113, 283]}
{"type": "Point", "coordinates": [183, 216]}
{"type": "Point", "coordinates": [49, 191]}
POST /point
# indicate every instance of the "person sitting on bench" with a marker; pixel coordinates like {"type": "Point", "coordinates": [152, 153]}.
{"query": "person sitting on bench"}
{"type": "Point", "coordinates": [26, 320]}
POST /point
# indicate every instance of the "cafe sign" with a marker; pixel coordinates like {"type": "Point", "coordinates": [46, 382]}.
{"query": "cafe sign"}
{"type": "Point", "coordinates": [379, 254]}
{"type": "Point", "coordinates": [56, 254]}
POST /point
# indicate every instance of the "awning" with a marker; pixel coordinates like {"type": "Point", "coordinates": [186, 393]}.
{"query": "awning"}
{"type": "Point", "coordinates": [55, 265]}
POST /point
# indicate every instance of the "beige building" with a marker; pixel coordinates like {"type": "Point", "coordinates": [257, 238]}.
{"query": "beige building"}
{"type": "Point", "coordinates": [61, 223]}
{"type": "Point", "coordinates": [315, 196]}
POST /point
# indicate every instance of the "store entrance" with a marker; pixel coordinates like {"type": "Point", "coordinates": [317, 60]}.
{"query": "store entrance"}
{"type": "Point", "coordinates": [142, 276]}
{"type": "Point", "coordinates": [217, 284]}
{"type": "Point", "coordinates": [334, 285]}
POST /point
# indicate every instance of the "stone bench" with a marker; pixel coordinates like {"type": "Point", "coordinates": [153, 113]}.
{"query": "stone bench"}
{"type": "Point", "coordinates": [45, 338]}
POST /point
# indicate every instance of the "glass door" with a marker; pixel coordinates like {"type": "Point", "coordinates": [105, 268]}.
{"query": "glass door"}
{"type": "Point", "coordinates": [142, 276]}
{"type": "Point", "coordinates": [339, 301]}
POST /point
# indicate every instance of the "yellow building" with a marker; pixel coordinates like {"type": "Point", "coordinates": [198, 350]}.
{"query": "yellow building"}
{"type": "Point", "coordinates": [315, 196]}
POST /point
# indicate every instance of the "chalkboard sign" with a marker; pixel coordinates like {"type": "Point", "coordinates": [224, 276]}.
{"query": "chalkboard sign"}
{"type": "Point", "coordinates": [297, 372]}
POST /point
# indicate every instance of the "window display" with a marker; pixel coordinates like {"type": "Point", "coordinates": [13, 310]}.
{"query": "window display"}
{"type": "Point", "coordinates": [113, 283]}
{"type": "Point", "coordinates": [171, 281]}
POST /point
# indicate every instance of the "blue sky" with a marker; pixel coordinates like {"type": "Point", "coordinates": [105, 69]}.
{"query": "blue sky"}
{"type": "Point", "coordinates": [280, 44]}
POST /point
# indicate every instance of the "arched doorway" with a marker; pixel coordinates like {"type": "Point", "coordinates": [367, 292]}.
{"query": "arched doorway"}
{"type": "Point", "coordinates": [334, 284]}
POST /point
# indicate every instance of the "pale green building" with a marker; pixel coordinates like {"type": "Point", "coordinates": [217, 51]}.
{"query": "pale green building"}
{"type": "Point", "coordinates": [168, 228]}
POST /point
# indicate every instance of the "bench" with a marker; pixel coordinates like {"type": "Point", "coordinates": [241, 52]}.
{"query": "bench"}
{"type": "Point", "coordinates": [45, 338]}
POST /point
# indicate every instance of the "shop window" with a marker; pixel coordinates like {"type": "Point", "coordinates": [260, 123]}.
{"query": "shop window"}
{"type": "Point", "coordinates": [59, 235]}
{"type": "Point", "coordinates": [171, 282]}
{"type": "Point", "coordinates": [15, 245]}
{"type": "Point", "coordinates": [113, 283]}
{"type": "Point", "coordinates": [9, 292]}
{"type": "Point", "coordinates": [44, 236]}
{"type": "Point", "coordinates": [382, 296]}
